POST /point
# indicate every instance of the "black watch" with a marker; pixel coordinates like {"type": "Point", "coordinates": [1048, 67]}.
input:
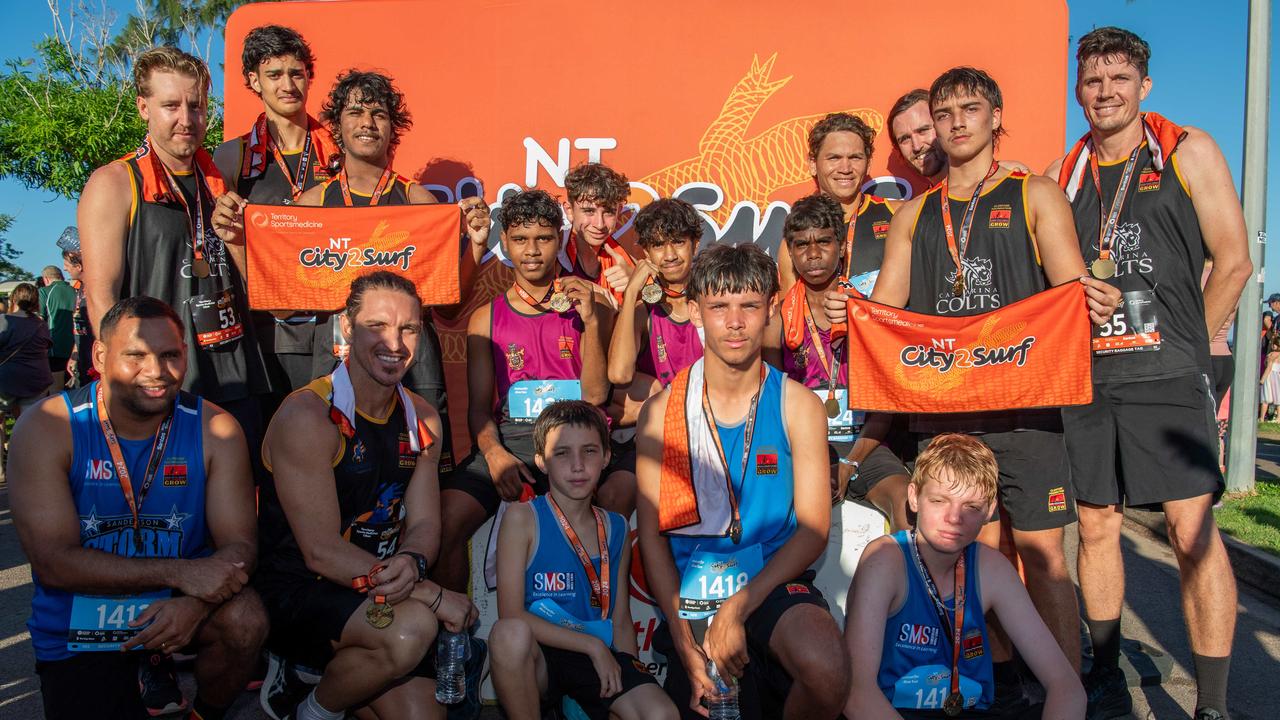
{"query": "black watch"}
{"type": "Point", "coordinates": [420, 560]}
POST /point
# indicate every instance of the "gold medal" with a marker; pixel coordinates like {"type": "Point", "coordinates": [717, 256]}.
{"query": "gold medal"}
{"type": "Point", "coordinates": [651, 293]}
{"type": "Point", "coordinates": [953, 704]}
{"type": "Point", "coordinates": [559, 302]}
{"type": "Point", "coordinates": [1103, 268]}
{"type": "Point", "coordinates": [958, 287]}
{"type": "Point", "coordinates": [200, 268]}
{"type": "Point", "coordinates": [833, 408]}
{"type": "Point", "coordinates": [379, 615]}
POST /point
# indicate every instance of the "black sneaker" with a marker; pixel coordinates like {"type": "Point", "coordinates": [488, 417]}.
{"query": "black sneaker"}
{"type": "Point", "coordinates": [1108, 693]}
{"type": "Point", "coordinates": [1209, 714]}
{"type": "Point", "coordinates": [158, 685]}
{"type": "Point", "coordinates": [282, 689]}
{"type": "Point", "coordinates": [469, 708]}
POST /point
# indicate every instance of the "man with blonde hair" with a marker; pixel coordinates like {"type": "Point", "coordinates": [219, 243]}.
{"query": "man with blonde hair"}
{"type": "Point", "coordinates": [918, 604]}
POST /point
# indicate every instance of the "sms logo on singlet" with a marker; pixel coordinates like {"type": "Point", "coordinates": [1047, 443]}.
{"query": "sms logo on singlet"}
{"type": "Point", "coordinates": [915, 635]}
{"type": "Point", "coordinates": [553, 582]}
{"type": "Point", "coordinates": [99, 470]}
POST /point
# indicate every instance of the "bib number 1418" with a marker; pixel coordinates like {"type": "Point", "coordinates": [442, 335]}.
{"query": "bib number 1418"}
{"type": "Point", "coordinates": [722, 586]}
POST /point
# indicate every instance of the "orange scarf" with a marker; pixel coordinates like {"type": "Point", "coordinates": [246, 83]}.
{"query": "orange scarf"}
{"type": "Point", "coordinates": [155, 180]}
{"type": "Point", "coordinates": [606, 260]}
{"type": "Point", "coordinates": [695, 495]}
{"type": "Point", "coordinates": [257, 146]}
{"type": "Point", "coordinates": [1162, 137]}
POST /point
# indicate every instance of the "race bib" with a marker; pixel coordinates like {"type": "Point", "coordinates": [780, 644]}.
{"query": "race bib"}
{"type": "Point", "coordinates": [865, 283]}
{"type": "Point", "coordinates": [100, 622]}
{"type": "Point", "coordinates": [214, 319]}
{"type": "Point", "coordinates": [847, 425]}
{"type": "Point", "coordinates": [926, 687]}
{"type": "Point", "coordinates": [551, 611]}
{"type": "Point", "coordinates": [1133, 328]}
{"type": "Point", "coordinates": [712, 578]}
{"type": "Point", "coordinates": [528, 398]}
{"type": "Point", "coordinates": [376, 538]}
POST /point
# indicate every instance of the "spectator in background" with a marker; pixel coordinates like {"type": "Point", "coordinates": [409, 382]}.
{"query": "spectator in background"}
{"type": "Point", "coordinates": [1270, 391]}
{"type": "Point", "coordinates": [80, 367]}
{"type": "Point", "coordinates": [57, 305]}
{"type": "Point", "coordinates": [24, 351]}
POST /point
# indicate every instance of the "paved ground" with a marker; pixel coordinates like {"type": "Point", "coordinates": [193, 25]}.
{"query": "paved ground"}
{"type": "Point", "coordinates": [1152, 616]}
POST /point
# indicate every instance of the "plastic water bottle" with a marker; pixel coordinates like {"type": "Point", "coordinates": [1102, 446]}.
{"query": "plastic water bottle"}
{"type": "Point", "coordinates": [451, 656]}
{"type": "Point", "coordinates": [723, 703]}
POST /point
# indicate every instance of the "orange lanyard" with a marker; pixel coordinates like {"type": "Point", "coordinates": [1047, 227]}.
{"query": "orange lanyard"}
{"type": "Point", "coordinates": [1108, 221]}
{"type": "Point", "coordinates": [296, 182]}
{"type": "Point", "coordinates": [848, 236]}
{"type": "Point", "coordinates": [377, 189]}
{"type": "Point", "coordinates": [958, 250]}
{"type": "Point", "coordinates": [533, 302]}
{"type": "Point", "coordinates": [160, 442]}
{"type": "Point", "coordinates": [196, 221]}
{"type": "Point", "coordinates": [599, 582]}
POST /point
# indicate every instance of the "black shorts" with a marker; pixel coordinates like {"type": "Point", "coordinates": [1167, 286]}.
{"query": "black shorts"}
{"type": "Point", "coordinates": [308, 616]}
{"type": "Point", "coordinates": [763, 689]}
{"type": "Point", "coordinates": [622, 456]}
{"type": "Point", "coordinates": [878, 465]}
{"type": "Point", "coordinates": [1035, 477]}
{"type": "Point", "coordinates": [572, 674]}
{"type": "Point", "coordinates": [1144, 443]}
{"type": "Point", "coordinates": [92, 684]}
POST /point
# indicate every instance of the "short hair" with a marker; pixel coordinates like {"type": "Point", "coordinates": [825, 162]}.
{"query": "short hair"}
{"type": "Point", "coordinates": [667, 219]}
{"type": "Point", "coordinates": [26, 296]}
{"type": "Point", "coordinates": [271, 41]}
{"type": "Point", "coordinates": [841, 122]}
{"type": "Point", "coordinates": [597, 182]}
{"type": "Point", "coordinates": [1106, 41]}
{"type": "Point", "coordinates": [374, 88]}
{"type": "Point", "coordinates": [51, 272]}
{"type": "Point", "coordinates": [143, 307]}
{"type": "Point", "coordinates": [569, 412]}
{"type": "Point", "coordinates": [903, 104]}
{"type": "Point", "coordinates": [722, 269]}
{"type": "Point", "coordinates": [377, 280]}
{"type": "Point", "coordinates": [970, 81]}
{"type": "Point", "coordinates": [972, 464]}
{"type": "Point", "coordinates": [818, 211]}
{"type": "Point", "coordinates": [531, 207]}
{"type": "Point", "coordinates": [74, 258]}
{"type": "Point", "coordinates": [167, 58]}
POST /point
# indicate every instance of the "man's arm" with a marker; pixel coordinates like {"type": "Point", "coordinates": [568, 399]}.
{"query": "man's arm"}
{"type": "Point", "coordinates": [103, 216]}
{"type": "Point", "coordinates": [505, 469]}
{"type": "Point", "coordinates": [301, 446]}
{"type": "Point", "coordinates": [624, 632]}
{"type": "Point", "coordinates": [228, 210]}
{"type": "Point", "coordinates": [1054, 230]}
{"type": "Point", "coordinates": [230, 513]}
{"type": "Point", "coordinates": [872, 594]}
{"type": "Point", "coordinates": [1199, 162]}
{"type": "Point", "coordinates": [1003, 592]}
{"type": "Point", "coordinates": [893, 285]}
{"type": "Point", "coordinates": [629, 328]}
{"type": "Point", "coordinates": [597, 324]}
{"type": "Point", "coordinates": [48, 526]}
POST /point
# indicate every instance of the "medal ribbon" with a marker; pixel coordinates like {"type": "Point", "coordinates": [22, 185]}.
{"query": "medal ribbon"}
{"type": "Point", "coordinates": [160, 442]}
{"type": "Point", "coordinates": [534, 302]}
{"type": "Point", "coordinates": [735, 527]}
{"type": "Point", "coordinates": [958, 251]}
{"type": "Point", "coordinates": [828, 362]}
{"type": "Point", "coordinates": [1108, 221]}
{"type": "Point", "coordinates": [377, 189]}
{"type": "Point", "coordinates": [848, 235]}
{"type": "Point", "coordinates": [599, 582]}
{"type": "Point", "coordinates": [297, 182]}
{"type": "Point", "coordinates": [957, 596]}
{"type": "Point", "coordinates": [194, 221]}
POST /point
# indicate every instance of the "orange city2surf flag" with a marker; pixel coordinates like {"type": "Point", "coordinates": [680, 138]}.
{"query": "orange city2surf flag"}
{"type": "Point", "coordinates": [305, 258]}
{"type": "Point", "coordinates": [1033, 353]}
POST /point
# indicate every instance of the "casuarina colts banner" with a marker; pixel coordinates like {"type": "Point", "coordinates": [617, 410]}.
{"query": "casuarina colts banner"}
{"type": "Point", "coordinates": [305, 258]}
{"type": "Point", "coordinates": [1033, 353]}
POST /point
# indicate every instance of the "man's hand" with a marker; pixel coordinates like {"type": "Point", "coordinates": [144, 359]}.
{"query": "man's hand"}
{"type": "Point", "coordinates": [1103, 299]}
{"type": "Point", "coordinates": [396, 579]}
{"type": "Point", "coordinates": [840, 478]}
{"type": "Point", "coordinates": [228, 218]}
{"type": "Point", "coordinates": [211, 579]}
{"type": "Point", "coordinates": [695, 665]}
{"type": "Point", "coordinates": [836, 305]}
{"type": "Point", "coordinates": [173, 624]}
{"type": "Point", "coordinates": [606, 666]}
{"type": "Point", "coordinates": [508, 473]}
{"type": "Point", "coordinates": [618, 276]}
{"type": "Point", "coordinates": [726, 641]}
{"type": "Point", "coordinates": [640, 277]}
{"type": "Point", "coordinates": [476, 222]}
{"type": "Point", "coordinates": [456, 611]}
{"type": "Point", "coordinates": [580, 293]}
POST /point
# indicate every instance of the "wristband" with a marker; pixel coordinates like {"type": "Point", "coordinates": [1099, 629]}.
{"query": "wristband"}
{"type": "Point", "coordinates": [435, 604]}
{"type": "Point", "coordinates": [852, 463]}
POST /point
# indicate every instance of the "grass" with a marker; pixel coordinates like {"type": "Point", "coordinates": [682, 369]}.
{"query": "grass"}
{"type": "Point", "coordinates": [1254, 519]}
{"type": "Point", "coordinates": [1269, 428]}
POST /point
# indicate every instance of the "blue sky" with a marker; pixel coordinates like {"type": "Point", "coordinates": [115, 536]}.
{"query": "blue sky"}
{"type": "Point", "coordinates": [1198, 67]}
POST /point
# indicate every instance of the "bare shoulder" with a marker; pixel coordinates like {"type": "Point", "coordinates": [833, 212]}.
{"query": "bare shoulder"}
{"type": "Point", "coordinates": [1197, 147]}
{"type": "Point", "coordinates": [655, 406]}
{"type": "Point", "coordinates": [1041, 191]}
{"type": "Point", "coordinates": [302, 419]}
{"type": "Point", "coordinates": [313, 196]}
{"type": "Point", "coordinates": [880, 557]}
{"type": "Point", "coordinates": [478, 324]}
{"type": "Point", "coordinates": [48, 421]}
{"type": "Point", "coordinates": [799, 399]}
{"type": "Point", "coordinates": [420, 195]}
{"type": "Point", "coordinates": [110, 178]}
{"type": "Point", "coordinates": [221, 424]}
{"type": "Point", "coordinates": [425, 410]}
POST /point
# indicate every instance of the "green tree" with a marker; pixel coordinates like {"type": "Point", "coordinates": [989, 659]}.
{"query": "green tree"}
{"type": "Point", "coordinates": [9, 269]}
{"type": "Point", "coordinates": [71, 108]}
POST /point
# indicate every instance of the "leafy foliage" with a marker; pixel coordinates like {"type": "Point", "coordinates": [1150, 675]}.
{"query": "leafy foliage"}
{"type": "Point", "coordinates": [9, 270]}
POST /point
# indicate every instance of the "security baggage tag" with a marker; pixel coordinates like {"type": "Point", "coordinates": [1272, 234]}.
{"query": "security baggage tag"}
{"type": "Point", "coordinates": [1133, 328]}
{"type": "Point", "coordinates": [528, 398]}
{"type": "Point", "coordinates": [214, 319]}
{"type": "Point", "coordinates": [926, 687]}
{"type": "Point", "coordinates": [712, 578]}
{"type": "Point", "coordinates": [550, 610]}
{"type": "Point", "coordinates": [100, 623]}
{"type": "Point", "coordinates": [847, 424]}
{"type": "Point", "coordinates": [865, 283]}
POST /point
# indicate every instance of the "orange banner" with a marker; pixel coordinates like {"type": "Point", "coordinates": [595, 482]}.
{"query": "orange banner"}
{"type": "Point", "coordinates": [304, 258]}
{"type": "Point", "coordinates": [1033, 353]}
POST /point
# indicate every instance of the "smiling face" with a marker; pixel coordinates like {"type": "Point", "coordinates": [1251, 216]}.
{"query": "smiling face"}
{"type": "Point", "coordinates": [177, 114]}
{"type": "Point", "coordinates": [673, 257]}
{"type": "Point", "coordinates": [573, 459]}
{"type": "Point", "coordinates": [366, 130]}
{"type": "Point", "coordinates": [384, 334]}
{"type": "Point", "coordinates": [143, 362]}
{"type": "Point", "coordinates": [1109, 90]}
{"type": "Point", "coordinates": [282, 83]}
{"type": "Point", "coordinates": [916, 140]}
{"type": "Point", "coordinates": [840, 165]}
{"type": "Point", "coordinates": [593, 220]}
{"type": "Point", "coordinates": [949, 516]}
{"type": "Point", "coordinates": [733, 324]}
{"type": "Point", "coordinates": [966, 124]}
